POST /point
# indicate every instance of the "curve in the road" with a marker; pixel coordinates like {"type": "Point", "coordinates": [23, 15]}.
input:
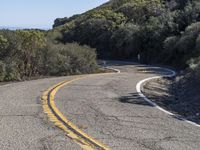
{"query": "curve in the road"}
{"type": "Point", "coordinates": [49, 107]}
{"type": "Point", "coordinates": [142, 82]}
{"type": "Point", "coordinates": [84, 140]}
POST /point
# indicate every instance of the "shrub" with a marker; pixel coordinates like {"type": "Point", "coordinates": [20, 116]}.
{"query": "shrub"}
{"type": "Point", "coordinates": [3, 44]}
{"type": "Point", "coordinates": [32, 41]}
{"type": "Point", "coordinates": [194, 64]}
{"type": "Point", "coordinates": [197, 71]}
{"type": "Point", "coordinates": [125, 42]}
{"type": "Point", "coordinates": [69, 59]}
{"type": "Point", "coordinates": [169, 49]}
{"type": "Point", "coordinates": [2, 71]}
{"type": "Point", "coordinates": [29, 53]}
{"type": "Point", "coordinates": [12, 72]}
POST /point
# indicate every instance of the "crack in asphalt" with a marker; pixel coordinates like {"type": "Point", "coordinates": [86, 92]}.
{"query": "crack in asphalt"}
{"type": "Point", "coordinates": [151, 144]}
{"type": "Point", "coordinates": [121, 125]}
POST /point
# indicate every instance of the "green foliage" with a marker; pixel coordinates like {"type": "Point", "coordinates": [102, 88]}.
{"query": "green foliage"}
{"type": "Point", "coordinates": [169, 49]}
{"type": "Point", "coordinates": [32, 41]}
{"type": "Point", "coordinates": [54, 36]}
{"type": "Point", "coordinates": [188, 38]}
{"type": "Point", "coordinates": [194, 64]}
{"type": "Point", "coordinates": [197, 70]}
{"type": "Point", "coordinates": [2, 71]}
{"type": "Point", "coordinates": [125, 41]}
{"type": "Point", "coordinates": [29, 53]}
{"type": "Point", "coordinates": [190, 13]}
{"type": "Point", "coordinates": [12, 72]}
{"type": "Point", "coordinates": [184, 47]}
{"type": "Point", "coordinates": [107, 14]}
{"type": "Point", "coordinates": [70, 59]}
{"type": "Point", "coordinates": [162, 31]}
{"type": "Point", "coordinates": [62, 21]}
{"type": "Point", "coordinates": [197, 48]}
{"type": "Point", "coordinates": [140, 10]}
{"type": "Point", "coordinates": [3, 44]}
{"type": "Point", "coordinates": [13, 44]}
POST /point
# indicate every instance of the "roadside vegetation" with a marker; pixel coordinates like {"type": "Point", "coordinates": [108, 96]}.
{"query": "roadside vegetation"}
{"type": "Point", "coordinates": [161, 31]}
{"type": "Point", "coordinates": [165, 32]}
{"type": "Point", "coordinates": [25, 54]}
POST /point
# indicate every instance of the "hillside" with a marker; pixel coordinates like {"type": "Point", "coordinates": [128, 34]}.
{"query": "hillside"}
{"type": "Point", "coordinates": [161, 31]}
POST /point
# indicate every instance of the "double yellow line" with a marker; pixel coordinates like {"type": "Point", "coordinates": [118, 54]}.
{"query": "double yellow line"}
{"type": "Point", "coordinates": [49, 107]}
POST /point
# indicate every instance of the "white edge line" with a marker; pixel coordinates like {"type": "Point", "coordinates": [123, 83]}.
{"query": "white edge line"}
{"type": "Point", "coordinates": [5, 85]}
{"type": "Point", "coordinates": [116, 70]}
{"type": "Point", "coordinates": [138, 89]}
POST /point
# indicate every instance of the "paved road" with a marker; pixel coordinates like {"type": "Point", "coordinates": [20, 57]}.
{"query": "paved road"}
{"type": "Point", "coordinates": [106, 107]}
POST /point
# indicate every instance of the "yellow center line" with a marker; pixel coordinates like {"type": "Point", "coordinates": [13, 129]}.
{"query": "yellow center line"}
{"type": "Point", "coordinates": [54, 114]}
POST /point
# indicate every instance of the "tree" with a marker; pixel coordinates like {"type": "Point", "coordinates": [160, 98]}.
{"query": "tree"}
{"type": "Point", "coordinates": [110, 29]}
{"type": "Point", "coordinates": [186, 44]}
{"type": "Point", "coordinates": [125, 41]}
{"type": "Point", "coordinates": [140, 11]}
{"type": "Point", "coordinates": [197, 48]}
{"type": "Point", "coordinates": [3, 45]}
{"type": "Point", "coordinates": [69, 59]}
{"type": "Point", "coordinates": [29, 54]}
{"type": "Point", "coordinates": [2, 71]}
{"type": "Point", "coordinates": [169, 50]}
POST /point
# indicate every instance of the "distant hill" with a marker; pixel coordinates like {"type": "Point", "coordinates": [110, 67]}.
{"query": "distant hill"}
{"type": "Point", "coordinates": [161, 31]}
{"type": "Point", "coordinates": [18, 28]}
{"type": "Point", "coordinates": [10, 28]}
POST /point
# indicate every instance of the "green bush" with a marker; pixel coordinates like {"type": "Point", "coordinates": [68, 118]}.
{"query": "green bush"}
{"type": "Point", "coordinates": [2, 71]}
{"type": "Point", "coordinates": [179, 49]}
{"type": "Point", "coordinates": [12, 72]}
{"type": "Point", "coordinates": [125, 42]}
{"type": "Point", "coordinates": [197, 71]}
{"type": "Point", "coordinates": [167, 33]}
{"type": "Point", "coordinates": [70, 59]}
{"type": "Point", "coordinates": [194, 64]}
{"type": "Point", "coordinates": [3, 44]}
{"type": "Point", "coordinates": [169, 49]}
{"type": "Point", "coordinates": [30, 53]}
{"type": "Point", "coordinates": [9, 71]}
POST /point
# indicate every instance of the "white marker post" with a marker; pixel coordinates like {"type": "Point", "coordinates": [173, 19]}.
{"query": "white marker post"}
{"type": "Point", "coordinates": [138, 57]}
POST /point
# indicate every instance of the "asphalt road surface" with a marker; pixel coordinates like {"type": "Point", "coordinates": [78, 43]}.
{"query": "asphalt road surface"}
{"type": "Point", "coordinates": [106, 107]}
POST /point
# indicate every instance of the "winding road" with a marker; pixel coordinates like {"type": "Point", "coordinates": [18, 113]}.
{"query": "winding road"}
{"type": "Point", "coordinates": [103, 111]}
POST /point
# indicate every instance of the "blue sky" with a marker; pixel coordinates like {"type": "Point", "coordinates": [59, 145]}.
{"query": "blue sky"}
{"type": "Point", "coordinates": [41, 13]}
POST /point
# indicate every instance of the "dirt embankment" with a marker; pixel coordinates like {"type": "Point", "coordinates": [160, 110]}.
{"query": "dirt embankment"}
{"type": "Point", "coordinates": [180, 95]}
